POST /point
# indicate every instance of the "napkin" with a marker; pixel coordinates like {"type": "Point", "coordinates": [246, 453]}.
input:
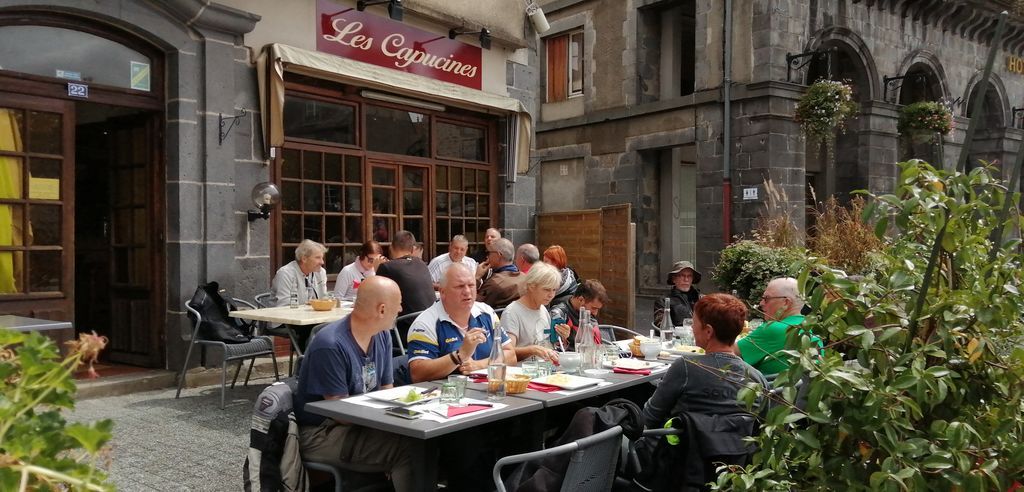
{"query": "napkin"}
{"type": "Point", "coordinates": [546, 388]}
{"type": "Point", "coordinates": [478, 378]}
{"type": "Point", "coordinates": [454, 411]}
{"type": "Point", "coordinates": [639, 372]}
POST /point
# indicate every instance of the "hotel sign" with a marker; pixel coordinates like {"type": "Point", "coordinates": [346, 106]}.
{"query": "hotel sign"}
{"type": "Point", "coordinates": [374, 39]}
{"type": "Point", "coordinates": [1015, 64]}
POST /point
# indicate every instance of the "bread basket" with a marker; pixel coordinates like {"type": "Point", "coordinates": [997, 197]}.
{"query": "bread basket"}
{"type": "Point", "coordinates": [322, 304]}
{"type": "Point", "coordinates": [516, 384]}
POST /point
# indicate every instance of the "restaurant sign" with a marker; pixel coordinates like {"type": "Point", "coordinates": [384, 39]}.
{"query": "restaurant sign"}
{"type": "Point", "coordinates": [374, 39]}
{"type": "Point", "coordinates": [1014, 64]}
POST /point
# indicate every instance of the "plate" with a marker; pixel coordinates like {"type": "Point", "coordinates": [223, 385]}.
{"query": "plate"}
{"type": "Point", "coordinates": [568, 381]}
{"type": "Point", "coordinates": [682, 349]}
{"type": "Point", "coordinates": [632, 364]}
{"type": "Point", "coordinates": [396, 395]}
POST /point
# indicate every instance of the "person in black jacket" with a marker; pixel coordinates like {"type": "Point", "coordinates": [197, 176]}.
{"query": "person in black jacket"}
{"type": "Point", "coordinates": [684, 295]}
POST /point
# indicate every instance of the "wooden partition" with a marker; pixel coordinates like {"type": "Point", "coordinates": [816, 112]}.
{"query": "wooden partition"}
{"type": "Point", "coordinates": [600, 244]}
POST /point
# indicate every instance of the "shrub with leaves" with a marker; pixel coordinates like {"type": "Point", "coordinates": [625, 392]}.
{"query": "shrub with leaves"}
{"type": "Point", "coordinates": [824, 108]}
{"type": "Point", "coordinates": [929, 391]}
{"type": "Point", "coordinates": [38, 449]}
{"type": "Point", "coordinates": [927, 117]}
{"type": "Point", "coordinates": [747, 266]}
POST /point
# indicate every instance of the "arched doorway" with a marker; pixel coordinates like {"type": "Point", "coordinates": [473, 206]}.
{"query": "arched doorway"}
{"type": "Point", "coordinates": [81, 119]}
{"type": "Point", "coordinates": [920, 83]}
{"type": "Point", "coordinates": [988, 138]}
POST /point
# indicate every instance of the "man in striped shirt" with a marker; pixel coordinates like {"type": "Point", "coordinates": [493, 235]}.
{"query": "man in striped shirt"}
{"type": "Point", "coordinates": [457, 249]}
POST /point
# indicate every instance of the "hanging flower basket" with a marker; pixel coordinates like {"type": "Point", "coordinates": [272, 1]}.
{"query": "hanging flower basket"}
{"type": "Point", "coordinates": [925, 118]}
{"type": "Point", "coordinates": [826, 106]}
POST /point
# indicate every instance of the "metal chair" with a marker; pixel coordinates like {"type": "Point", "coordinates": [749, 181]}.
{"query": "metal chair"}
{"type": "Point", "coordinates": [282, 331]}
{"type": "Point", "coordinates": [610, 333]}
{"type": "Point", "coordinates": [591, 465]}
{"type": "Point", "coordinates": [396, 332]}
{"type": "Point", "coordinates": [257, 347]}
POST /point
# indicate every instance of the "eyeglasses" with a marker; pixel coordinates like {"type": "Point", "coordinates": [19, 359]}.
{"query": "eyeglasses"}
{"type": "Point", "coordinates": [768, 298]}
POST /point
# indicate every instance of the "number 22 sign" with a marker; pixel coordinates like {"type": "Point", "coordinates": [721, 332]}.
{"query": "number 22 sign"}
{"type": "Point", "coordinates": [78, 90]}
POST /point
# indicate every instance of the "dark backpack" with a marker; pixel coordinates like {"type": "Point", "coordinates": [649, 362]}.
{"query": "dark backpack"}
{"type": "Point", "coordinates": [213, 305]}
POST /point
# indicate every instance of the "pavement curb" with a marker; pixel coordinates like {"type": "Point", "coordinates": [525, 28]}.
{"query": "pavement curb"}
{"type": "Point", "coordinates": [159, 379]}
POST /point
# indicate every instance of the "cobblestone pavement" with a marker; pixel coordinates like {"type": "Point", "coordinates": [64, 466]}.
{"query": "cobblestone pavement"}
{"type": "Point", "coordinates": [188, 444]}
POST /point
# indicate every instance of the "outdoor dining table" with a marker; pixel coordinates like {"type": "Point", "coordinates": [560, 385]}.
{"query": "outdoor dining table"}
{"type": "Point", "coordinates": [300, 316]}
{"type": "Point", "coordinates": [58, 331]}
{"type": "Point", "coordinates": [423, 432]}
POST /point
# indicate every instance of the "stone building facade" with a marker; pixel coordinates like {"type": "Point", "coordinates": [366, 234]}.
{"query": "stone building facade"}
{"type": "Point", "coordinates": [129, 151]}
{"type": "Point", "coordinates": [650, 126]}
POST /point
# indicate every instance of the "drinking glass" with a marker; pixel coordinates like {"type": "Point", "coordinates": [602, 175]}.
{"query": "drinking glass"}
{"type": "Point", "coordinates": [530, 367]}
{"type": "Point", "coordinates": [545, 368]}
{"type": "Point", "coordinates": [449, 392]}
{"type": "Point", "coordinates": [460, 383]}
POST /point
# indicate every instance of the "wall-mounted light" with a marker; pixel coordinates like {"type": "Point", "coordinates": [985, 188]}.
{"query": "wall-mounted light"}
{"type": "Point", "coordinates": [264, 196]}
{"type": "Point", "coordinates": [395, 8]}
{"type": "Point", "coordinates": [537, 18]}
{"type": "Point", "coordinates": [408, 101]}
{"type": "Point", "coordinates": [485, 36]}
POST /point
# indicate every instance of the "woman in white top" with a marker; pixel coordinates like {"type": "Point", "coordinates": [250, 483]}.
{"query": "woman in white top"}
{"type": "Point", "coordinates": [353, 274]}
{"type": "Point", "coordinates": [526, 320]}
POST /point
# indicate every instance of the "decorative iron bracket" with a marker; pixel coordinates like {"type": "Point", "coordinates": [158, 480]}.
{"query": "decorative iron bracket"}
{"type": "Point", "coordinates": [793, 62]}
{"type": "Point", "coordinates": [223, 120]}
{"type": "Point", "coordinates": [887, 81]}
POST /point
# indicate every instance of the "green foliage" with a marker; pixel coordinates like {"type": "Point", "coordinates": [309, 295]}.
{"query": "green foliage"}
{"type": "Point", "coordinates": [925, 117]}
{"type": "Point", "coordinates": [841, 238]}
{"type": "Point", "coordinates": [747, 266]}
{"type": "Point", "coordinates": [825, 107]}
{"type": "Point", "coordinates": [38, 449]}
{"type": "Point", "coordinates": [921, 386]}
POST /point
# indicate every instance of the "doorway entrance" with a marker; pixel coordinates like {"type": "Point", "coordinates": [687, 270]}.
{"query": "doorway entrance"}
{"type": "Point", "coordinates": [118, 231]}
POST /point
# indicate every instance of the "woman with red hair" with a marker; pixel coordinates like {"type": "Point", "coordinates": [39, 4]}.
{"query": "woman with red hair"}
{"type": "Point", "coordinates": [556, 257]}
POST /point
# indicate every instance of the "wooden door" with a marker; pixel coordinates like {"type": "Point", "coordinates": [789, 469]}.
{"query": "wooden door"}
{"type": "Point", "coordinates": [398, 198]}
{"type": "Point", "coordinates": [36, 207]}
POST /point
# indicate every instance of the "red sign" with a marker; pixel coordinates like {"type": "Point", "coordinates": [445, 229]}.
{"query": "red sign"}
{"type": "Point", "coordinates": [378, 40]}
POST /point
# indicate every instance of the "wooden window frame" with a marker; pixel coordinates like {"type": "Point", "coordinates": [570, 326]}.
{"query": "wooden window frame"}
{"type": "Point", "coordinates": [558, 50]}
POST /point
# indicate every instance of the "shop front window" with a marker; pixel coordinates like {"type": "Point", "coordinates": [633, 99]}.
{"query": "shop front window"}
{"type": "Point", "coordinates": [397, 131]}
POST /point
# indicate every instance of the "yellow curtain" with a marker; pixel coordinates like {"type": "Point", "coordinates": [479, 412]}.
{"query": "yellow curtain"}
{"type": "Point", "coordinates": [11, 232]}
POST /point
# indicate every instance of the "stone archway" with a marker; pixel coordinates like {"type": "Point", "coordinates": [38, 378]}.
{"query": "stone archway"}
{"type": "Point", "coordinates": [922, 82]}
{"type": "Point", "coordinates": [988, 138]}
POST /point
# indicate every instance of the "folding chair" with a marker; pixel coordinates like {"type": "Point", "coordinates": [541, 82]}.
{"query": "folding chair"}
{"type": "Point", "coordinates": [591, 464]}
{"type": "Point", "coordinates": [257, 347]}
{"type": "Point", "coordinates": [283, 331]}
{"type": "Point", "coordinates": [611, 333]}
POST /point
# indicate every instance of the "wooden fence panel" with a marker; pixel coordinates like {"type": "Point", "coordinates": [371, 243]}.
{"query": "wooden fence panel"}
{"type": "Point", "coordinates": [600, 245]}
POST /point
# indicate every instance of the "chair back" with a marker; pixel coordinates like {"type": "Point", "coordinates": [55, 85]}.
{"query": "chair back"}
{"type": "Point", "coordinates": [592, 465]}
{"type": "Point", "coordinates": [400, 330]}
{"type": "Point", "coordinates": [263, 300]}
{"type": "Point", "coordinates": [611, 333]}
{"type": "Point", "coordinates": [193, 314]}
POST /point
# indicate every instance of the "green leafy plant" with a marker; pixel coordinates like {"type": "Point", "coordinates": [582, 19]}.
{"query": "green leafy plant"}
{"type": "Point", "coordinates": [921, 384]}
{"type": "Point", "coordinates": [747, 266]}
{"type": "Point", "coordinates": [38, 449]}
{"type": "Point", "coordinates": [928, 117]}
{"type": "Point", "coordinates": [825, 107]}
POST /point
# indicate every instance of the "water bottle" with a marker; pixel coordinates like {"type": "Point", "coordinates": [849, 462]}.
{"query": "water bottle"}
{"type": "Point", "coordinates": [294, 301]}
{"type": "Point", "coordinates": [667, 327]}
{"type": "Point", "coordinates": [496, 367]}
{"type": "Point", "coordinates": [585, 343]}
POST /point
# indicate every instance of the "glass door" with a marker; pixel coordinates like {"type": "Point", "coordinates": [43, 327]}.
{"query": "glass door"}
{"type": "Point", "coordinates": [398, 194]}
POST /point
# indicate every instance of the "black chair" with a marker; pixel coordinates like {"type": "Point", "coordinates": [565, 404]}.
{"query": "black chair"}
{"type": "Point", "coordinates": [591, 466]}
{"type": "Point", "coordinates": [282, 331]}
{"type": "Point", "coordinates": [402, 323]}
{"type": "Point", "coordinates": [257, 347]}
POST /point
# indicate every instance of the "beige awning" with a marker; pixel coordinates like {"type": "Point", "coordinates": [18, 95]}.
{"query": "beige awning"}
{"type": "Point", "coordinates": [276, 58]}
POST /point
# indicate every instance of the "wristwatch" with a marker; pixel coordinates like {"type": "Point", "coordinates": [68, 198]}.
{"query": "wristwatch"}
{"type": "Point", "coordinates": [454, 356]}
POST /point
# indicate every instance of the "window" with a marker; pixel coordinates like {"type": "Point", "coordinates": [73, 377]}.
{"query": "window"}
{"type": "Point", "coordinates": [565, 66]}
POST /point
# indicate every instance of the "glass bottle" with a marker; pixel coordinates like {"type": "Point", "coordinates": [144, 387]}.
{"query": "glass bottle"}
{"type": "Point", "coordinates": [666, 321]}
{"type": "Point", "coordinates": [293, 302]}
{"type": "Point", "coordinates": [496, 366]}
{"type": "Point", "coordinates": [585, 344]}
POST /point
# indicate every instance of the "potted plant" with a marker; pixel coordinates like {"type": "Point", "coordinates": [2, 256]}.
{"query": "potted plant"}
{"type": "Point", "coordinates": [925, 120]}
{"type": "Point", "coordinates": [826, 106]}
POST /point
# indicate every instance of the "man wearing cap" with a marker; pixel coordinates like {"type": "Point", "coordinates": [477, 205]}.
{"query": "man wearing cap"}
{"type": "Point", "coordinates": [684, 295]}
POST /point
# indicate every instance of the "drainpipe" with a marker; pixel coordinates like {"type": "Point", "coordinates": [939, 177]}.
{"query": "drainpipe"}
{"type": "Point", "coordinates": [727, 129]}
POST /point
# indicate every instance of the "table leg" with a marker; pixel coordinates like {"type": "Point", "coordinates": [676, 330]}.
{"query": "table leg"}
{"type": "Point", "coordinates": [424, 456]}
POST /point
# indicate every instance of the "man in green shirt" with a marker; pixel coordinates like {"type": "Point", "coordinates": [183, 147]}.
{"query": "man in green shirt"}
{"type": "Point", "coordinates": [781, 305]}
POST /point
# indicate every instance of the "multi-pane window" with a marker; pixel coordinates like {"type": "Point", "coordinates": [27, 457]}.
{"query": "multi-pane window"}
{"type": "Point", "coordinates": [564, 66]}
{"type": "Point", "coordinates": [31, 204]}
{"type": "Point", "coordinates": [352, 171]}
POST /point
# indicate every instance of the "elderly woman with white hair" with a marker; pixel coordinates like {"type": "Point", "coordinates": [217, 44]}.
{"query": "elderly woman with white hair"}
{"type": "Point", "coordinates": [526, 320]}
{"type": "Point", "coordinates": [304, 277]}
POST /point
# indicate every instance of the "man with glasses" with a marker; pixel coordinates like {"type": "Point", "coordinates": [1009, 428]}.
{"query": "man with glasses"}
{"type": "Point", "coordinates": [781, 305]}
{"type": "Point", "coordinates": [505, 282]}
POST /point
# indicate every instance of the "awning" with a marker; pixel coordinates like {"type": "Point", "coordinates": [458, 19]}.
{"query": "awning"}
{"type": "Point", "coordinates": [276, 58]}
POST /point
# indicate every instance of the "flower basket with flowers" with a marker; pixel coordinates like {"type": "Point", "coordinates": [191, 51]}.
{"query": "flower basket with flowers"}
{"type": "Point", "coordinates": [826, 106]}
{"type": "Point", "coordinates": [928, 119]}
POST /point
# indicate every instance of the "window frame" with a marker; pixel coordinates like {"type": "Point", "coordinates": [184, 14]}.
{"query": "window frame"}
{"type": "Point", "coordinates": [559, 65]}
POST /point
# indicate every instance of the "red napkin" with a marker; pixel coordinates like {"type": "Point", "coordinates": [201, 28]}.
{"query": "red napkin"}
{"type": "Point", "coordinates": [546, 388]}
{"type": "Point", "coordinates": [454, 411]}
{"type": "Point", "coordinates": [478, 378]}
{"type": "Point", "coordinates": [639, 372]}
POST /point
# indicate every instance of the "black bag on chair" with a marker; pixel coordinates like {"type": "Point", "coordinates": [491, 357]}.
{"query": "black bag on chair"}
{"type": "Point", "coordinates": [212, 304]}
